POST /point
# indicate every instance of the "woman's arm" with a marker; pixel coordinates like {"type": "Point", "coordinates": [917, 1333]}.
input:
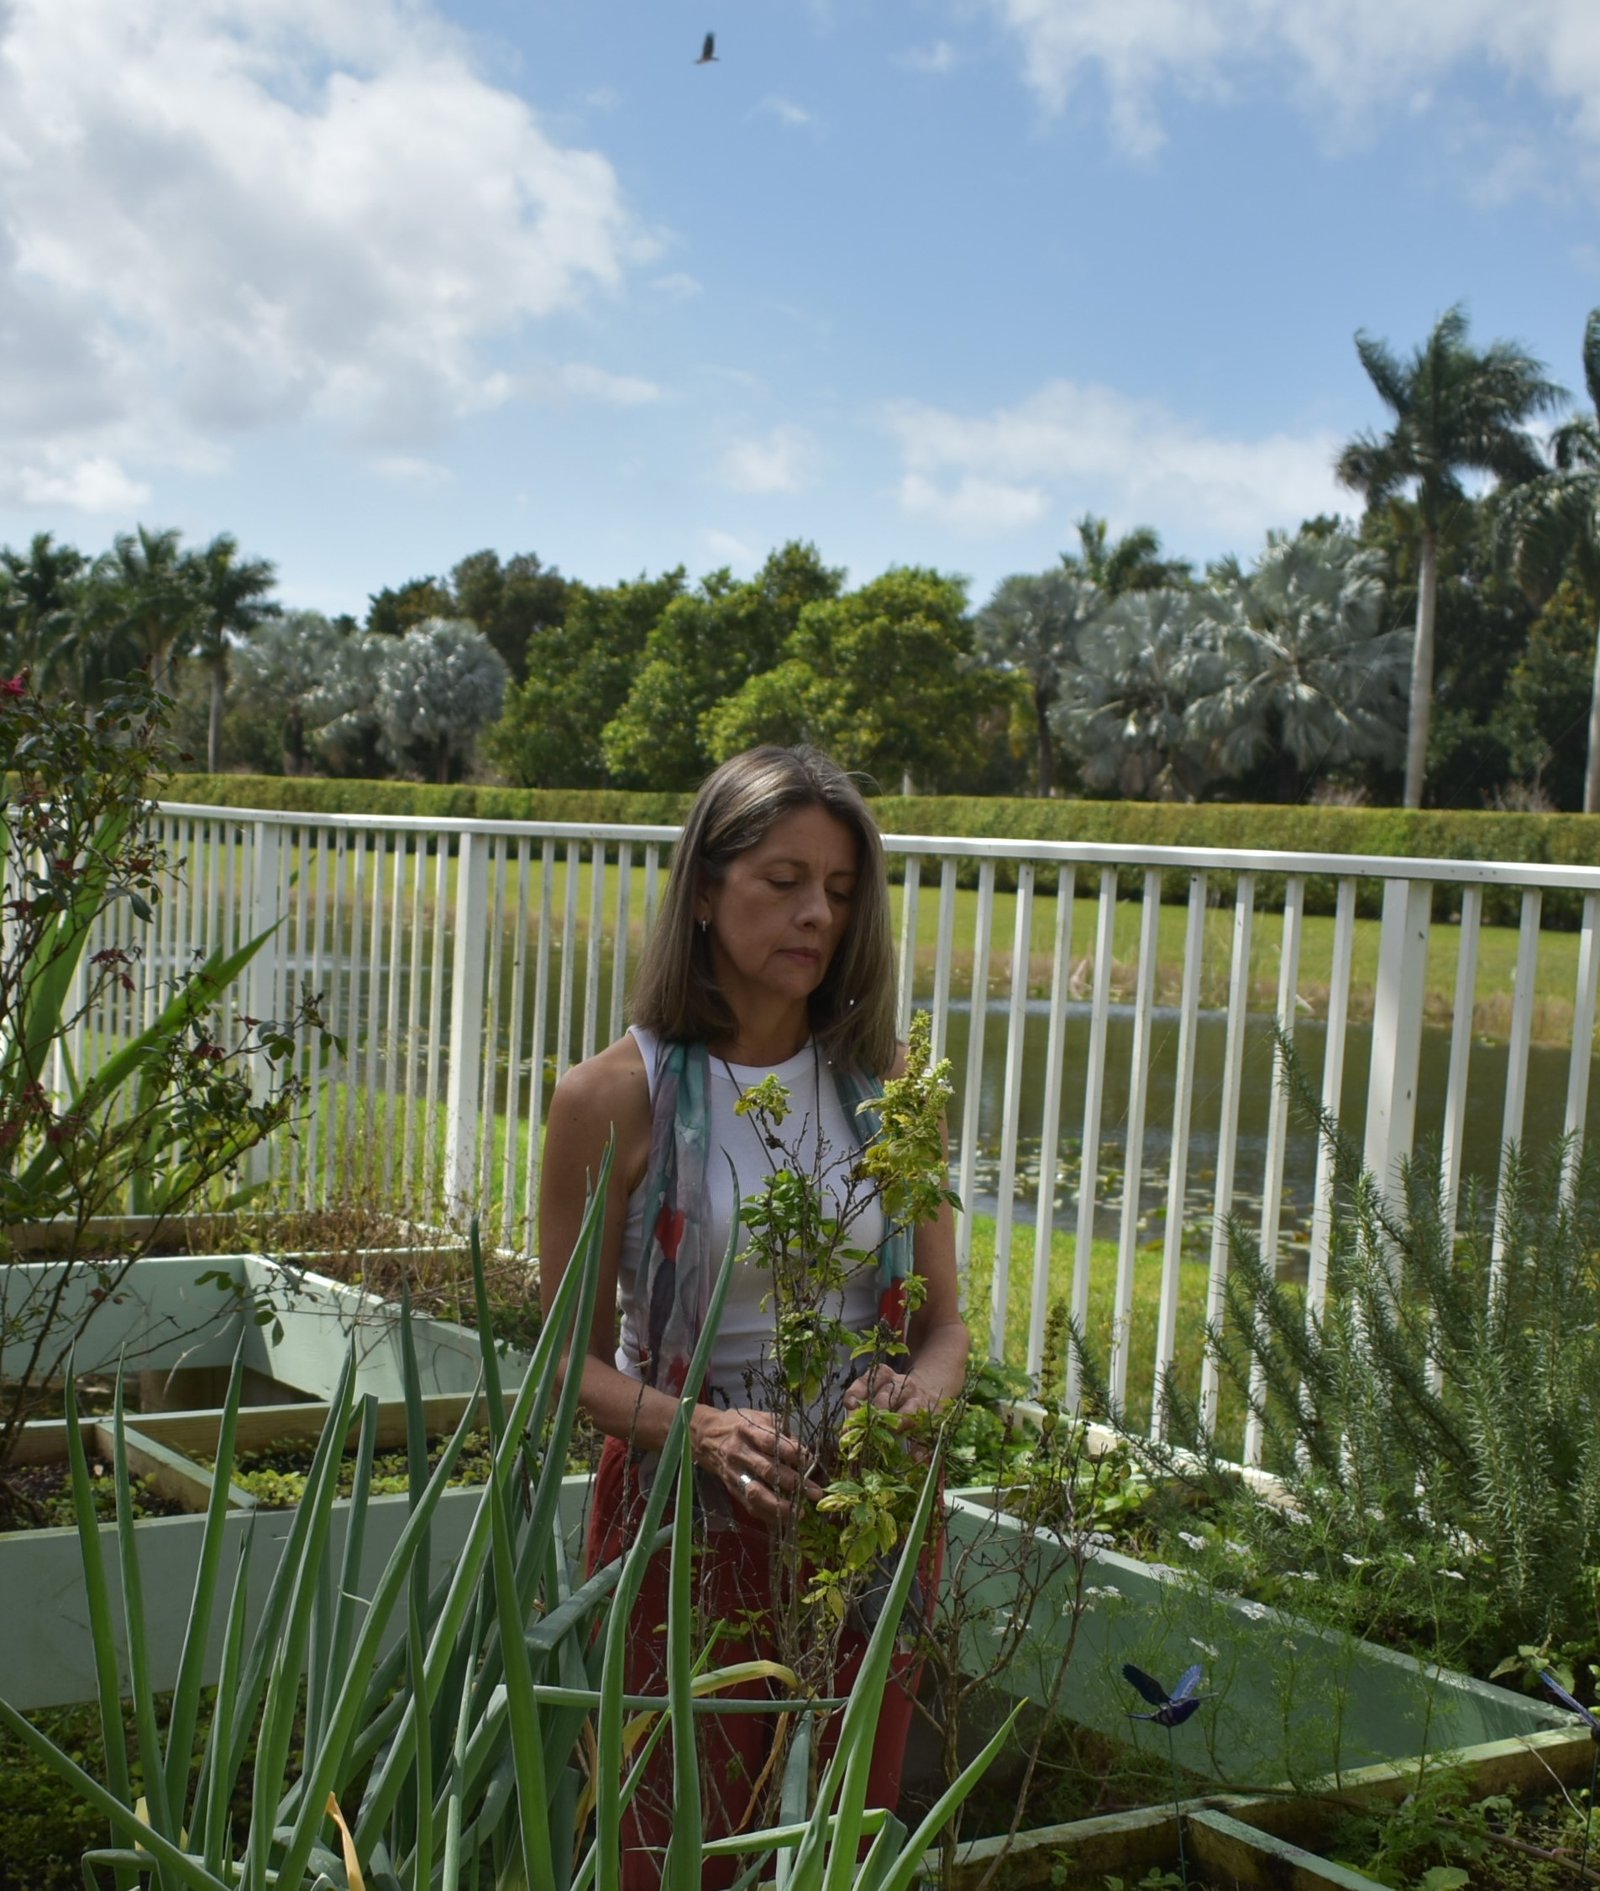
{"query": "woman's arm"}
{"type": "Point", "coordinates": [605, 1091]}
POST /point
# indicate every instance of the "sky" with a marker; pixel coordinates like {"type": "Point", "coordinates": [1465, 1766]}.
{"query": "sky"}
{"type": "Point", "coordinates": [373, 284]}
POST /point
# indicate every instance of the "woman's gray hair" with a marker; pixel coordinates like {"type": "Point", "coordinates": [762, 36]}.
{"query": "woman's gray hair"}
{"type": "Point", "coordinates": [676, 994]}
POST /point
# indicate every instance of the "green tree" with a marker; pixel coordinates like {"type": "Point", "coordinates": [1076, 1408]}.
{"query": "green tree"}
{"type": "Point", "coordinates": [513, 604]}
{"type": "Point", "coordinates": [1126, 711]}
{"type": "Point", "coordinates": [580, 672]}
{"type": "Point", "coordinates": [1030, 628]}
{"type": "Point", "coordinates": [1554, 525]}
{"type": "Point", "coordinates": [1483, 620]}
{"type": "Point", "coordinates": [704, 647]}
{"type": "Point", "coordinates": [1548, 698]}
{"type": "Point", "coordinates": [1130, 563]}
{"type": "Point", "coordinates": [1311, 679]}
{"type": "Point", "coordinates": [881, 678]}
{"type": "Point", "coordinates": [232, 600]}
{"type": "Point", "coordinates": [41, 593]}
{"type": "Point", "coordinates": [392, 612]}
{"type": "Point", "coordinates": [1454, 409]}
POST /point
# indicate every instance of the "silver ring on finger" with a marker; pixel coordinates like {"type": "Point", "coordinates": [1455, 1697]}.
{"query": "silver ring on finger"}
{"type": "Point", "coordinates": [746, 1482]}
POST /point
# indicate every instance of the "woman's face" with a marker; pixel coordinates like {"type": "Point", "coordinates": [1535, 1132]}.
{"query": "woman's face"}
{"type": "Point", "coordinates": [778, 914]}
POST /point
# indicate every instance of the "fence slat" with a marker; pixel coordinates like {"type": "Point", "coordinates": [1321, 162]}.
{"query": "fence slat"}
{"type": "Point", "coordinates": [974, 1084]}
{"type": "Point", "coordinates": [1050, 1127]}
{"type": "Point", "coordinates": [1461, 1036]}
{"type": "Point", "coordinates": [1011, 1109]}
{"type": "Point", "coordinates": [1580, 1065]}
{"type": "Point", "coordinates": [1244, 906]}
{"type": "Point", "coordinates": [1093, 1101]}
{"type": "Point", "coordinates": [1178, 1174]}
{"type": "Point", "coordinates": [1133, 1140]}
{"type": "Point", "coordinates": [1520, 1045]}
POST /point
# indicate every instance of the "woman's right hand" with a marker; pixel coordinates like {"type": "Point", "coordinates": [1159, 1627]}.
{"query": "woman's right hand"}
{"type": "Point", "coordinates": [762, 1468]}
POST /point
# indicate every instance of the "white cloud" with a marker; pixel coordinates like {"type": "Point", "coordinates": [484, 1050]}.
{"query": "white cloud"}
{"type": "Point", "coordinates": [1069, 446]}
{"type": "Point", "coordinates": [785, 460]}
{"type": "Point", "coordinates": [677, 285]}
{"type": "Point", "coordinates": [1346, 56]}
{"type": "Point", "coordinates": [407, 469]}
{"type": "Point", "coordinates": [974, 507]}
{"type": "Point", "coordinates": [581, 380]}
{"type": "Point", "coordinates": [934, 59]}
{"type": "Point", "coordinates": [96, 484]}
{"type": "Point", "coordinates": [729, 550]}
{"type": "Point", "coordinates": [233, 214]}
{"type": "Point", "coordinates": [785, 110]}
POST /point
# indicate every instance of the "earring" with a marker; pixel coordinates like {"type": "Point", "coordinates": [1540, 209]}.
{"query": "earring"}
{"type": "Point", "coordinates": [705, 927]}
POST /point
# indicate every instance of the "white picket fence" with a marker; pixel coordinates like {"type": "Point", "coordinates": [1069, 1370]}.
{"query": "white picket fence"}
{"type": "Point", "coordinates": [467, 964]}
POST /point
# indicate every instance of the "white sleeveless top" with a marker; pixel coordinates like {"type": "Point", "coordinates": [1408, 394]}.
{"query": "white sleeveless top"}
{"type": "Point", "coordinates": [744, 1339]}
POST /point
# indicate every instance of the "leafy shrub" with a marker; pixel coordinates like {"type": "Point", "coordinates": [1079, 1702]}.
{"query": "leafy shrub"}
{"type": "Point", "coordinates": [1437, 1426]}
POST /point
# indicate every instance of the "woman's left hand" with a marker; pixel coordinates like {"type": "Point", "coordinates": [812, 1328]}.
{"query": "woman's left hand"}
{"type": "Point", "coordinates": [905, 1392]}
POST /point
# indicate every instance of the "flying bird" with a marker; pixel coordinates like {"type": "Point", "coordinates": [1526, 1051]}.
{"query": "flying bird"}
{"type": "Point", "coordinates": [1173, 1709]}
{"type": "Point", "coordinates": [708, 52]}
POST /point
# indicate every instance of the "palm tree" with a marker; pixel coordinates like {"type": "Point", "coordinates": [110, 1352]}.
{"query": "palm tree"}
{"type": "Point", "coordinates": [1455, 409]}
{"type": "Point", "coordinates": [143, 606]}
{"type": "Point", "coordinates": [1555, 520]}
{"type": "Point", "coordinates": [1310, 678]}
{"type": "Point", "coordinates": [1130, 563]}
{"type": "Point", "coordinates": [39, 606]}
{"type": "Point", "coordinates": [232, 602]}
{"type": "Point", "coordinates": [1126, 711]}
{"type": "Point", "coordinates": [1031, 627]}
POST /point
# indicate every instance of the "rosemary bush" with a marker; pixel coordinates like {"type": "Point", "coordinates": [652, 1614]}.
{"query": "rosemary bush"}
{"type": "Point", "coordinates": [1437, 1427]}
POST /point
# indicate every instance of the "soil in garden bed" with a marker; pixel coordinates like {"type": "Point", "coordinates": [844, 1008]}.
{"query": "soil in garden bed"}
{"type": "Point", "coordinates": [1079, 1774]}
{"type": "Point", "coordinates": [39, 1496]}
{"type": "Point", "coordinates": [1445, 1840]}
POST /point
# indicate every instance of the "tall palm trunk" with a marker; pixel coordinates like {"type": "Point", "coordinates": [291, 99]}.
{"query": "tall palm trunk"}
{"type": "Point", "coordinates": [1591, 774]}
{"type": "Point", "coordinates": [219, 686]}
{"type": "Point", "coordinates": [1042, 698]}
{"type": "Point", "coordinates": [1422, 669]}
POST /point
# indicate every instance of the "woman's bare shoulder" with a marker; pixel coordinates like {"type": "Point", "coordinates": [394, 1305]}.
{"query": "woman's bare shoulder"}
{"type": "Point", "coordinates": [610, 1090]}
{"type": "Point", "coordinates": [613, 1083]}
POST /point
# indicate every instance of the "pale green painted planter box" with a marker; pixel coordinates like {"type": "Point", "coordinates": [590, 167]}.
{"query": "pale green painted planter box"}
{"type": "Point", "coordinates": [161, 1318]}
{"type": "Point", "coordinates": [1260, 1839]}
{"type": "Point", "coordinates": [161, 1321]}
{"type": "Point", "coordinates": [1292, 1700]}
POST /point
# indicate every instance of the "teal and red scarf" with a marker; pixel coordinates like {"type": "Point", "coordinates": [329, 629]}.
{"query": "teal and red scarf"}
{"type": "Point", "coordinates": [676, 1267]}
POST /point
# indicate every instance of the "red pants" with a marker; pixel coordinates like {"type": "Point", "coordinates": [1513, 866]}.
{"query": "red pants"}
{"type": "Point", "coordinates": [734, 1572]}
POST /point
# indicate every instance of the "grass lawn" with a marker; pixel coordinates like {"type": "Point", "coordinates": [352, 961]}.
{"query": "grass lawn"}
{"type": "Point", "coordinates": [1554, 985]}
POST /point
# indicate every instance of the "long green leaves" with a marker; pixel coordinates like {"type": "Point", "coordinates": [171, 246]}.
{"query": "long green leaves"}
{"type": "Point", "coordinates": [360, 1662]}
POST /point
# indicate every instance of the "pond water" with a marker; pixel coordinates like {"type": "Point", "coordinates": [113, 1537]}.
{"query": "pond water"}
{"type": "Point", "coordinates": [1543, 1118]}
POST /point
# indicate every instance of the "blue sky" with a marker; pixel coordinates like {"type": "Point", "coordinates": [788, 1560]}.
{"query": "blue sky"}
{"type": "Point", "coordinates": [376, 283]}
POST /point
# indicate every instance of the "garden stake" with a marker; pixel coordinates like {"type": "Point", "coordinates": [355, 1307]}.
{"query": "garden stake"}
{"type": "Point", "coordinates": [1578, 1708]}
{"type": "Point", "coordinates": [1171, 1710]}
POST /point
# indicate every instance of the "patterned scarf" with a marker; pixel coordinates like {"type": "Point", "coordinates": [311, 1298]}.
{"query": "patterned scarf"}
{"type": "Point", "coordinates": [676, 1268]}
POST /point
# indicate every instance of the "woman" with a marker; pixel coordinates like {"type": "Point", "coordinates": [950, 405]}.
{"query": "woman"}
{"type": "Point", "coordinates": [771, 954]}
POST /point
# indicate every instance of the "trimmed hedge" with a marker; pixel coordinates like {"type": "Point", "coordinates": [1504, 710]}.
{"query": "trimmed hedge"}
{"type": "Point", "coordinates": [317, 794]}
{"type": "Point", "coordinates": [1418, 834]}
